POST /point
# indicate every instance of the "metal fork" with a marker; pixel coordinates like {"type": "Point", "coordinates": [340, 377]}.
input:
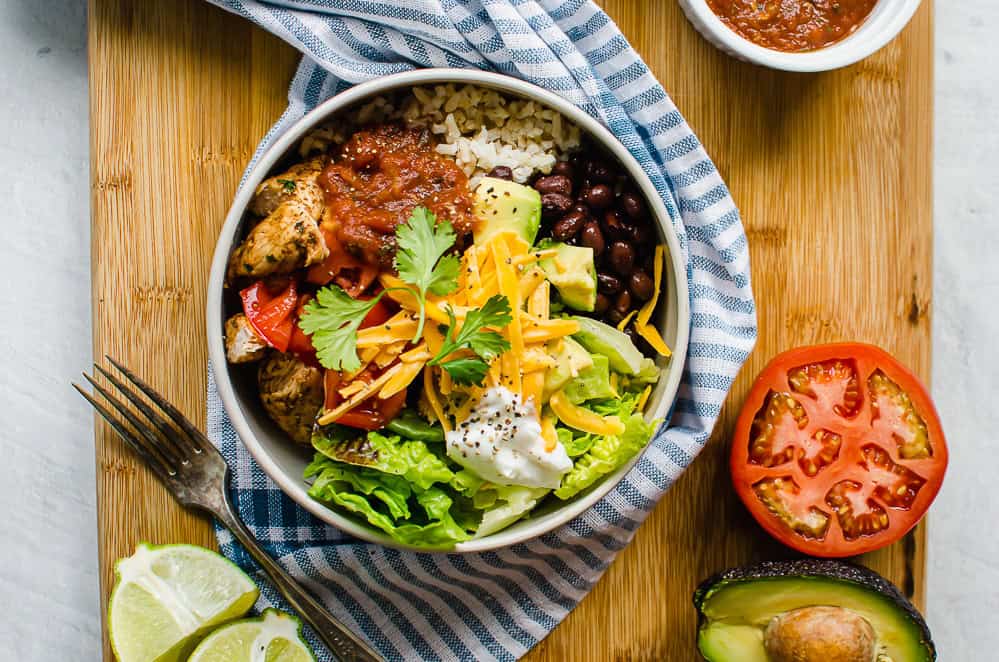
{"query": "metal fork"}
{"type": "Point", "coordinates": [197, 476]}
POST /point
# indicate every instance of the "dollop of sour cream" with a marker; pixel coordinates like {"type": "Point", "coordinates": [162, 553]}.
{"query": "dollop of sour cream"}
{"type": "Point", "coordinates": [501, 442]}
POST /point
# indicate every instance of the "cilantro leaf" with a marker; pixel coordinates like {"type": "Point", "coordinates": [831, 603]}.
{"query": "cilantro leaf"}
{"type": "Point", "coordinates": [287, 184]}
{"type": "Point", "coordinates": [468, 371]}
{"type": "Point", "coordinates": [421, 260]}
{"type": "Point", "coordinates": [332, 318]}
{"type": "Point", "coordinates": [485, 343]}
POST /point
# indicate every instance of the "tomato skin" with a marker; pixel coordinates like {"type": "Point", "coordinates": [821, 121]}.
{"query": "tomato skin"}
{"type": "Point", "coordinates": [347, 271]}
{"type": "Point", "coordinates": [271, 315]}
{"type": "Point", "coordinates": [857, 431]}
{"type": "Point", "coordinates": [372, 414]}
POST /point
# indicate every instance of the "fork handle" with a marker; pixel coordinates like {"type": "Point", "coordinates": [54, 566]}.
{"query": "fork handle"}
{"type": "Point", "coordinates": [343, 643]}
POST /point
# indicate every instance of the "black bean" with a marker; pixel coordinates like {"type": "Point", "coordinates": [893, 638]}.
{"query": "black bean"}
{"type": "Point", "coordinates": [622, 303]}
{"type": "Point", "coordinates": [568, 226]}
{"type": "Point", "coordinates": [608, 283]}
{"type": "Point", "coordinates": [599, 196]}
{"type": "Point", "coordinates": [592, 237]}
{"type": "Point", "coordinates": [622, 257]}
{"type": "Point", "coordinates": [554, 184]}
{"type": "Point", "coordinates": [563, 168]}
{"type": "Point", "coordinates": [602, 303]}
{"type": "Point", "coordinates": [599, 172]}
{"type": "Point", "coordinates": [640, 285]}
{"type": "Point", "coordinates": [581, 208]}
{"type": "Point", "coordinates": [632, 205]}
{"type": "Point", "coordinates": [554, 204]}
{"type": "Point", "coordinates": [641, 234]}
{"type": "Point", "coordinates": [501, 172]}
{"type": "Point", "coordinates": [614, 316]}
{"type": "Point", "coordinates": [614, 227]}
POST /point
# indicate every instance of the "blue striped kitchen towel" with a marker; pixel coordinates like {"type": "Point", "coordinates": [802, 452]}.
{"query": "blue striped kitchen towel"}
{"type": "Point", "coordinates": [496, 606]}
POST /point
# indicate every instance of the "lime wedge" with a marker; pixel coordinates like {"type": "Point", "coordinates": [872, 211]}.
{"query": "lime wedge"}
{"type": "Point", "coordinates": [274, 637]}
{"type": "Point", "coordinates": [166, 598]}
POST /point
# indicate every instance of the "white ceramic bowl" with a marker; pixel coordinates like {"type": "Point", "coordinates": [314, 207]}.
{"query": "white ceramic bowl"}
{"type": "Point", "coordinates": [282, 459]}
{"type": "Point", "coordinates": [883, 24]}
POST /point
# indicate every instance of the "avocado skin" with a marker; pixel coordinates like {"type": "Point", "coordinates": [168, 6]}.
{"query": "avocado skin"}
{"type": "Point", "coordinates": [826, 568]}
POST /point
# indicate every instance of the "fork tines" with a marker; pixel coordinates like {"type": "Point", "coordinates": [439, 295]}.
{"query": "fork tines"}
{"type": "Point", "coordinates": [167, 443]}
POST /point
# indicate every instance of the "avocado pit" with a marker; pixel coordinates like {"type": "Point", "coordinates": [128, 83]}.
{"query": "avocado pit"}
{"type": "Point", "coordinates": [820, 634]}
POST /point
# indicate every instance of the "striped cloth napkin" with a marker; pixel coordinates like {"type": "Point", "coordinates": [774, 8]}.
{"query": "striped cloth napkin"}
{"type": "Point", "coordinates": [497, 605]}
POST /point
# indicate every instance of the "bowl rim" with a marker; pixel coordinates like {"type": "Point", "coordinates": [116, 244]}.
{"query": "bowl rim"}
{"type": "Point", "coordinates": [870, 37]}
{"type": "Point", "coordinates": [292, 486]}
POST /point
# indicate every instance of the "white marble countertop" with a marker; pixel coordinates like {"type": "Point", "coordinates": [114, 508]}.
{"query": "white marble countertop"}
{"type": "Point", "coordinates": [47, 479]}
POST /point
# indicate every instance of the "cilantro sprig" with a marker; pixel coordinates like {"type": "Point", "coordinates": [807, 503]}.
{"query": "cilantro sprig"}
{"type": "Point", "coordinates": [332, 318]}
{"type": "Point", "coordinates": [421, 259]}
{"type": "Point", "coordinates": [485, 343]}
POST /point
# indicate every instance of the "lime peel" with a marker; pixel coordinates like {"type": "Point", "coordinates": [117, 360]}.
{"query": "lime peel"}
{"type": "Point", "coordinates": [273, 637]}
{"type": "Point", "coordinates": [166, 598]}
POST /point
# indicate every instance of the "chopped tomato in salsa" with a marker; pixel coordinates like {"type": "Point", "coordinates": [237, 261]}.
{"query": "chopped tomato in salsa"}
{"type": "Point", "coordinates": [792, 25]}
{"type": "Point", "coordinates": [380, 175]}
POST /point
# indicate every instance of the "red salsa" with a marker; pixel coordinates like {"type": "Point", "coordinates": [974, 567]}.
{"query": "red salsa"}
{"type": "Point", "coordinates": [379, 176]}
{"type": "Point", "coordinates": [792, 25]}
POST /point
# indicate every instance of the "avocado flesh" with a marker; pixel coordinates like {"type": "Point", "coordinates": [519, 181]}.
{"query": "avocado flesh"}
{"type": "Point", "coordinates": [600, 338]}
{"type": "Point", "coordinates": [572, 273]}
{"type": "Point", "coordinates": [592, 383]}
{"type": "Point", "coordinates": [571, 360]}
{"type": "Point", "coordinates": [735, 614]}
{"type": "Point", "coordinates": [501, 205]}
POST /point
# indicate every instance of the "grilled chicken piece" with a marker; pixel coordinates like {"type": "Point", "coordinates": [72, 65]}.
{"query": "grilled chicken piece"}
{"type": "Point", "coordinates": [286, 240]}
{"type": "Point", "coordinates": [299, 182]}
{"type": "Point", "coordinates": [292, 394]}
{"type": "Point", "coordinates": [242, 342]}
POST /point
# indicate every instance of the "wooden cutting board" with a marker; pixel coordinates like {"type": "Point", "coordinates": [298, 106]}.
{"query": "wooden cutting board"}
{"type": "Point", "coordinates": [832, 173]}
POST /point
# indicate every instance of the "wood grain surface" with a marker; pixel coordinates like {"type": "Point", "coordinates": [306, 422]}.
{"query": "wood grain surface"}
{"type": "Point", "coordinates": [832, 173]}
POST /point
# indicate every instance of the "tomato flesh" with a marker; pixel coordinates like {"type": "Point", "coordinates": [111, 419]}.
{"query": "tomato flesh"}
{"type": "Point", "coordinates": [270, 312]}
{"type": "Point", "coordinates": [838, 449]}
{"type": "Point", "coordinates": [371, 414]}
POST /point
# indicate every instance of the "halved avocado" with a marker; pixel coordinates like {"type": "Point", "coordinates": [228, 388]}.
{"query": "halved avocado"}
{"type": "Point", "coordinates": [808, 611]}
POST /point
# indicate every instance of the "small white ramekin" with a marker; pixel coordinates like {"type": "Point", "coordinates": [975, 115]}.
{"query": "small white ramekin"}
{"type": "Point", "coordinates": [887, 19]}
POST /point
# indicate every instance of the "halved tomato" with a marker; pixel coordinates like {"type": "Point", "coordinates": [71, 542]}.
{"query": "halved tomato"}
{"type": "Point", "coordinates": [838, 449]}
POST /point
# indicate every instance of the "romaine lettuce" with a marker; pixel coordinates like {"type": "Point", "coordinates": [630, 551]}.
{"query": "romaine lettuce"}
{"type": "Point", "coordinates": [575, 444]}
{"type": "Point", "coordinates": [382, 500]}
{"type": "Point", "coordinates": [606, 455]}
{"type": "Point", "coordinates": [511, 503]}
{"type": "Point", "coordinates": [412, 460]}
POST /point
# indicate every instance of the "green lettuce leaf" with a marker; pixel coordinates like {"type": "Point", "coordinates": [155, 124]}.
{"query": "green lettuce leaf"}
{"type": "Point", "coordinates": [575, 445]}
{"type": "Point", "coordinates": [607, 454]}
{"type": "Point", "coordinates": [512, 502]}
{"type": "Point", "coordinates": [393, 491]}
{"type": "Point", "coordinates": [648, 373]}
{"type": "Point", "coordinates": [382, 500]}
{"type": "Point", "coordinates": [412, 460]}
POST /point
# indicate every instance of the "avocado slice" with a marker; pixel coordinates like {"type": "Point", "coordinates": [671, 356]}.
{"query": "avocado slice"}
{"type": "Point", "coordinates": [570, 360]}
{"type": "Point", "coordinates": [808, 610]}
{"type": "Point", "coordinates": [600, 338]}
{"type": "Point", "coordinates": [572, 273]}
{"type": "Point", "coordinates": [503, 205]}
{"type": "Point", "coordinates": [592, 383]}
